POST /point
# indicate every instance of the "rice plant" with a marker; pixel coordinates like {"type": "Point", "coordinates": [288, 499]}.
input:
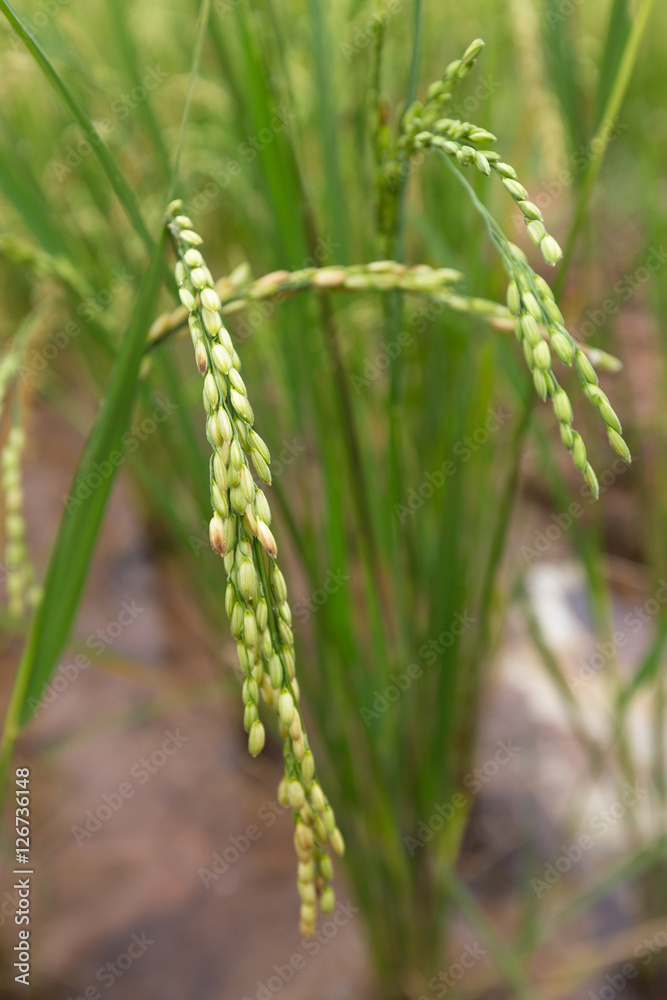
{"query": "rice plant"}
{"type": "Point", "coordinates": [398, 361]}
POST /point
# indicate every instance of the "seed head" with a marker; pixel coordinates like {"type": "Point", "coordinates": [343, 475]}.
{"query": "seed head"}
{"type": "Point", "coordinates": [250, 630]}
{"type": "Point", "coordinates": [258, 445]}
{"type": "Point", "coordinates": [220, 472]}
{"type": "Point", "coordinates": [551, 251]}
{"type": "Point", "coordinates": [531, 211]}
{"type": "Point", "coordinates": [579, 452]}
{"type": "Point", "coordinates": [219, 501]}
{"type": "Point", "coordinates": [250, 691]}
{"type": "Point", "coordinates": [542, 355]}
{"type": "Point", "coordinates": [317, 797]}
{"type": "Point", "coordinates": [326, 867]}
{"type": "Point", "coordinates": [328, 900]}
{"type": "Point", "coordinates": [193, 258]}
{"type": "Point", "coordinates": [247, 579]}
{"type": "Point", "coordinates": [536, 231]}
{"type": "Point", "coordinates": [211, 395]}
{"type": "Point", "coordinates": [531, 306]}
{"type": "Point", "coordinates": [237, 382]}
{"type": "Point", "coordinates": [531, 330]}
{"type": "Point", "coordinates": [517, 190]}
{"type": "Point", "coordinates": [216, 533]}
{"type": "Point", "coordinates": [563, 347]}
{"type": "Point", "coordinates": [541, 384]}
{"type": "Point", "coordinates": [222, 359]}
{"type": "Point", "coordinates": [585, 368]}
{"type": "Point", "coordinates": [186, 297]}
{"type": "Point", "coordinates": [266, 538]}
{"type": "Point", "coordinates": [261, 467]}
{"type": "Point", "coordinates": [308, 767]}
{"type": "Point", "coordinates": [241, 405]}
{"type": "Point", "coordinates": [212, 321]}
{"type": "Point", "coordinates": [513, 298]}
{"type": "Point", "coordinates": [592, 480]}
{"type": "Point", "coordinates": [618, 444]}
{"type": "Point", "coordinates": [562, 407]}
{"type": "Point", "coordinates": [296, 795]}
{"type": "Point", "coordinates": [262, 507]}
{"type": "Point", "coordinates": [189, 237]}
{"type": "Point", "coordinates": [286, 707]}
{"type": "Point", "coordinates": [256, 738]}
{"type": "Point", "coordinates": [247, 486]}
{"type": "Point", "coordinates": [337, 842]}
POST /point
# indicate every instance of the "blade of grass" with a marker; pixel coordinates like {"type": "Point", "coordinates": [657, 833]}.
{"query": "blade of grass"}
{"type": "Point", "coordinates": [80, 523]}
{"type": "Point", "coordinates": [329, 130]}
{"type": "Point", "coordinates": [618, 874]}
{"type": "Point", "coordinates": [114, 176]}
{"type": "Point", "coordinates": [600, 141]}
{"type": "Point", "coordinates": [561, 57]}
{"type": "Point", "coordinates": [501, 954]}
{"type": "Point", "coordinates": [646, 673]}
{"type": "Point", "coordinates": [620, 24]}
{"type": "Point", "coordinates": [119, 13]}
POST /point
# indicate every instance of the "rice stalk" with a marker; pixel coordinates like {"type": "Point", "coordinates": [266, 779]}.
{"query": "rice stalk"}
{"type": "Point", "coordinates": [256, 595]}
{"type": "Point", "coordinates": [529, 297]}
{"type": "Point", "coordinates": [237, 293]}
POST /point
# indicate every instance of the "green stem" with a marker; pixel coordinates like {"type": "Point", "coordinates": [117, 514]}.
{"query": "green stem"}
{"type": "Point", "coordinates": [598, 146]}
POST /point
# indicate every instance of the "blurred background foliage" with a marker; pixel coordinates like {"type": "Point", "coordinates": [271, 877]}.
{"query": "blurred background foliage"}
{"type": "Point", "coordinates": [278, 171]}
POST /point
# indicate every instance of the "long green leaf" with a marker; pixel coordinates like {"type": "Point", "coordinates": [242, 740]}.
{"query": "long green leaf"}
{"type": "Point", "coordinates": [82, 519]}
{"type": "Point", "coordinates": [648, 668]}
{"type": "Point", "coordinates": [116, 179]}
{"type": "Point", "coordinates": [620, 24]}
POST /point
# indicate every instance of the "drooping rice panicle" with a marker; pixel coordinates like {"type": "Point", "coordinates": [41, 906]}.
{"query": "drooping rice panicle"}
{"type": "Point", "coordinates": [237, 293]}
{"type": "Point", "coordinates": [256, 594]}
{"type": "Point", "coordinates": [539, 325]}
{"type": "Point", "coordinates": [17, 567]}
{"type": "Point", "coordinates": [18, 570]}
